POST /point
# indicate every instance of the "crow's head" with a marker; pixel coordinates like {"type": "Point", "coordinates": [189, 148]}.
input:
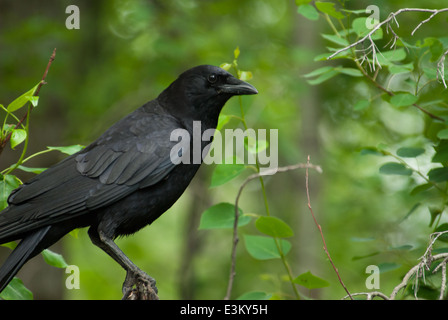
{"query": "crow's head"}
{"type": "Point", "coordinates": [202, 91]}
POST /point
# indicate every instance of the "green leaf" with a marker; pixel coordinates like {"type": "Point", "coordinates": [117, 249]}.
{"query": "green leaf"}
{"type": "Point", "coordinates": [310, 281]}
{"type": "Point", "coordinates": [395, 168]}
{"type": "Point", "coordinates": [443, 227]}
{"type": "Point", "coordinates": [226, 66]}
{"type": "Point", "coordinates": [323, 77]}
{"type": "Point", "coordinates": [264, 248]}
{"type": "Point", "coordinates": [255, 295]}
{"type": "Point", "coordinates": [336, 39]}
{"type": "Point", "coordinates": [318, 72]}
{"type": "Point", "coordinates": [11, 245]}
{"type": "Point", "coordinates": [328, 8]}
{"type": "Point", "coordinates": [387, 57]}
{"type": "Point", "coordinates": [438, 174]}
{"type": "Point", "coordinates": [274, 227]}
{"type": "Point", "coordinates": [434, 212]}
{"type": "Point", "coordinates": [17, 137]}
{"type": "Point", "coordinates": [402, 68]}
{"type": "Point", "coordinates": [23, 99]}
{"type": "Point", "coordinates": [360, 28]}
{"type": "Point", "coordinates": [441, 149]}
{"type": "Point", "coordinates": [223, 173]}
{"type": "Point", "coordinates": [368, 255]}
{"type": "Point", "coordinates": [54, 259]}
{"type": "Point", "coordinates": [7, 184]}
{"type": "Point", "coordinates": [410, 152]}
{"type": "Point", "coordinates": [33, 170]}
{"type": "Point", "coordinates": [361, 104]}
{"type": "Point", "coordinates": [223, 120]}
{"type": "Point", "coordinates": [403, 99]}
{"type": "Point", "coordinates": [388, 266]}
{"type": "Point", "coordinates": [443, 134]}
{"type": "Point", "coordinates": [421, 188]}
{"type": "Point", "coordinates": [371, 151]}
{"type": "Point", "coordinates": [255, 146]}
{"type": "Point", "coordinates": [308, 11]}
{"type": "Point", "coordinates": [222, 215]}
{"type": "Point", "coordinates": [236, 53]}
{"type": "Point", "coordinates": [68, 149]}
{"type": "Point", "coordinates": [244, 75]}
{"type": "Point", "coordinates": [350, 71]}
{"type": "Point", "coordinates": [16, 291]}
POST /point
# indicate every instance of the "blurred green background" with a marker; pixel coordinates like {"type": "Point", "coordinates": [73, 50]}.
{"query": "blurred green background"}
{"type": "Point", "coordinates": [126, 52]}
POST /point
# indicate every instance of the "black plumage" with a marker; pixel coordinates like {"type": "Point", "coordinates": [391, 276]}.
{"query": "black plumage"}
{"type": "Point", "coordinates": [121, 182]}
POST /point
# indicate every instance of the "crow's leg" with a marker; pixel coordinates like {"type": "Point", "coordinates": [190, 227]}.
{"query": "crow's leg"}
{"type": "Point", "coordinates": [145, 285]}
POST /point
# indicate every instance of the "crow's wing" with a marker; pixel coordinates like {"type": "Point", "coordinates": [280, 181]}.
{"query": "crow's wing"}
{"type": "Point", "coordinates": [132, 154]}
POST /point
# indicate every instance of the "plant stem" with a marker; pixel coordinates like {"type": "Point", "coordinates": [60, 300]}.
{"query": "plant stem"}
{"type": "Point", "coordinates": [265, 198]}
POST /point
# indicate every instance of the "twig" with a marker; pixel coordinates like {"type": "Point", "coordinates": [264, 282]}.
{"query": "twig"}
{"type": "Point", "coordinates": [391, 17]}
{"type": "Point", "coordinates": [235, 238]}
{"type": "Point", "coordinates": [321, 233]}
{"type": "Point", "coordinates": [369, 295]}
{"type": "Point", "coordinates": [36, 93]}
{"type": "Point", "coordinates": [419, 272]}
{"type": "Point", "coordinates": [441, 68]}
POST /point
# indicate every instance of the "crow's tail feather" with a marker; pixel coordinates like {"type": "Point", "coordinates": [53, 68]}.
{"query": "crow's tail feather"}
{"type": "Point", "coordinates": [24, 251]}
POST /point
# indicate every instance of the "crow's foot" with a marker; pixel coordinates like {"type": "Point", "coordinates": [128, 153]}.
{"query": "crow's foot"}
{"type": "Point", "coordinates": [139, 286]}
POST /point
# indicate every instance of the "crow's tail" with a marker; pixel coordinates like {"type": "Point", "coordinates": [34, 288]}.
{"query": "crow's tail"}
{"type": "Point", "coordinates": [24, 251]}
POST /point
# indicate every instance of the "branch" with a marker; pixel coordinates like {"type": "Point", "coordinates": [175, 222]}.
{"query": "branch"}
{"type": "Point", "coordinates": [441, 69]}
{"type": "Point", "coordinates": [36, 93]}
{"type": "Point", "coordinates": [391, 17]}
{"type": "Point", "coordinates": [321, 233]}
{"type": "Point", "coordinates": [417, 271]}
{"type": "Point", "coordinates": [235, 223]}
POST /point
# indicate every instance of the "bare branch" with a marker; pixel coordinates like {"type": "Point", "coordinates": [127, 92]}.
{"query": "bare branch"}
{"type": "Point", "coordinates": [321, 233]}
{"type": "Point", "coordinates": [391, 17]}
{"type": "Point", "coordinates": [418, 271]}
{"type": "Point", "coordinates": [441, 69]}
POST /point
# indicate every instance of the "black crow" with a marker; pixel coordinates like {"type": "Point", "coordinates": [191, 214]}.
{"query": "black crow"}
{"type": "Point", "coordinates": [121, 182]}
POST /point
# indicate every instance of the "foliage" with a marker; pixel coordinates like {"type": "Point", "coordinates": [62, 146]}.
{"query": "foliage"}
{"type": "Point", "coordinates": [407, 75]}
{"type": "Point", "coordinates": [16, 134]}
{"type": "Point", "coordinates": [383, 158]}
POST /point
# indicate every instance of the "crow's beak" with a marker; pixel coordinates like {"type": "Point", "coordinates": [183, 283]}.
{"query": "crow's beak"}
{"type": "Point", "coordinates": [235, 86]}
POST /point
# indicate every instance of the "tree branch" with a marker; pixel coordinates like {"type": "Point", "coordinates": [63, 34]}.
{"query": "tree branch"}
{"type": "Point", "coordinates": [417, 272]}
{"type": "Point", "coordinates": [391, 17]}
{"type": "Point", "coordinates": [321, 233]}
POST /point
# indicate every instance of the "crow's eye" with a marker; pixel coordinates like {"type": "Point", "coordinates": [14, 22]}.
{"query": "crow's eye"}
{"type": "Point", "coordinates": [212, 78]}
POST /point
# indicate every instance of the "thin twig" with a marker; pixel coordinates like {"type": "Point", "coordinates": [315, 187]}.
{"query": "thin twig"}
{"type": "Point", "coordinates": [321, 233]}
{"type": "Point", "coordinates": [418, 271]}
{"type": "Point", "coordinates": [235, 238]}
{"type": "Point", "coordinates": [441, 69]}
{"type": "Point", "coordinates": [36, 93]}
{"type": "Point", "coordinates": [391, 17]}
{"type": "Point", "coordinates": [369, 295]}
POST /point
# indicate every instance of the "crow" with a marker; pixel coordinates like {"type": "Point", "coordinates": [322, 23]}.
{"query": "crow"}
{"type": "Point", "coordinates": [122, 181]}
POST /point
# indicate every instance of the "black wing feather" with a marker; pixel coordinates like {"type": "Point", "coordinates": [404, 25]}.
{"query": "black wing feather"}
{"type": "Point", "coordinates": [125, 158]}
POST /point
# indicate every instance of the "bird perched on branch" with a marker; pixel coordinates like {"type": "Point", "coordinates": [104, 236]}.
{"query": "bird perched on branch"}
{"type": "Point", "coordinates": [122, 181]}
